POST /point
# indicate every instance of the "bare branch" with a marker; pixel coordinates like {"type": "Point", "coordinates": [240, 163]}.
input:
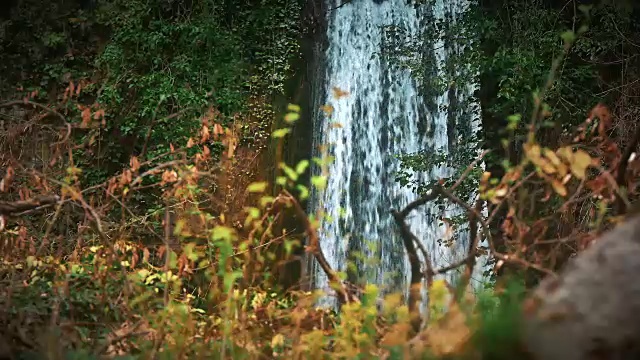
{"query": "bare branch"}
{"type": "Point", "coordinates": [27, 103]}
{"type": "Point", "coordinates": [621, 205]}
{"type": "Point", "coordinates": [408, 239]}
{"type": "Point", "coordinates": [468, 170]}
{"type": "Point", "coordinates": [344, 295]}
{"type": "Point", "coordinates": [13, 207]}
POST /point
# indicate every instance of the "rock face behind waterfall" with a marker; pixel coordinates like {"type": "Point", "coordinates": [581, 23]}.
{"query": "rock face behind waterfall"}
{"type": "Point", "coordinates": [592, 310]}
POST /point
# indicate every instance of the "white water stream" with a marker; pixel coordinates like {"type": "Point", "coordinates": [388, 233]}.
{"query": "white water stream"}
{"type": "Point", "coordinates": [382, 116]}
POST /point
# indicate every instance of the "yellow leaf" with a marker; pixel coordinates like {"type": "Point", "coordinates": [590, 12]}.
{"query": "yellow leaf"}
{"type": "Point", "coordinates": [555, 160]}
{"type": "Point", "coordinates": [532, 151]}
{"type": "Point", "coordinates": [291, 117]}
{"type": "Point", "coordinates": [293, 107]}
{"type": "Point", "coordinates": [257, 187]}
{"type": "Point", "coordinates": [280, 133]}
{"type": "Point", "coordinates": [581, 161]}
{"type": "Point", "coordinates": [438, 296]}
{"type": "Point", "coordinates": [566, 153]}
{"type": "Point", "coordinates": [546, 166]}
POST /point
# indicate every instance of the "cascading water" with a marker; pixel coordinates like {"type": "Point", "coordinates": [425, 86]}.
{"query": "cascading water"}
{"type": "Point", "coordinates": [383, 115]}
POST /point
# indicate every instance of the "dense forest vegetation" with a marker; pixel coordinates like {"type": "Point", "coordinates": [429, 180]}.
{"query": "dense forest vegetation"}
{"type": "Point", "coordinates": [155, 174]}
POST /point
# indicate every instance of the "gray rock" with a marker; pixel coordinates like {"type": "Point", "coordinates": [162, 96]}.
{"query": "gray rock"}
{"type": "Point", "coordinates": [592, 309]}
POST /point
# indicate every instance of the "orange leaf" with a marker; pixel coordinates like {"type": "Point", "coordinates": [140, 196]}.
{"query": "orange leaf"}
{"type": "Point", "coordinates": [204, 133]}
{"type": "Point", "coordinates": [327, 109]}
{"type": "Point", "coordinates": [338, 93]}
{"type": "Point", "coordinates": [217, 130]}
{"type": "Point", "coordinates": [558, 187]}
{"type": "Point", "coordinates": [169, 176]}
{"type": "Point", "coordinates": [86, 117]}
{"type": "Point", "coordinates": [134, 163]}
{"type": "Point", "coordinates": [98, 114]}
{"type": "Point", "coordinates": [145, 255]}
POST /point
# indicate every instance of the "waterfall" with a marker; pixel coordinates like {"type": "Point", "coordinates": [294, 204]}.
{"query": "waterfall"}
{"type": "Point", "coordinates": [384, 114]}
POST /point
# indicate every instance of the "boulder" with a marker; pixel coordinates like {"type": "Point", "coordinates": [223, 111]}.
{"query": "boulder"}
{"type": "Point", "coordinates": [591, 310]}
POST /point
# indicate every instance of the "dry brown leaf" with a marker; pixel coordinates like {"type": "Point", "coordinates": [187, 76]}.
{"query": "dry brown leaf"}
{"type": "Point", "coordinates": [86, 117]}
{"type": "Point", "coordinates": [169, 176]}
{"type": "Point", "coordinates": [134, 163]}
{"type": "Point", "coordinates": [125, 178]}
{"type": "Point", "coordinates": [204, 134]}
{"type": "Point", "coordinates": [217, 131]}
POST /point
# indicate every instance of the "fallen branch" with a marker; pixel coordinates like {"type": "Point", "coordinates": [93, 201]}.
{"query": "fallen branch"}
{"type": "Point", "coordinates": [8, 208]}
{"type": "Point", "coordinates": [27, 103]}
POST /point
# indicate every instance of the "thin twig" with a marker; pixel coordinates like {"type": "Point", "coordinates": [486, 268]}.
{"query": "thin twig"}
{"type": "Point", "coordinates": [468, 170]}
{"type": "Point", "coordinates": [13, 207]}
{"type": "Point", "coordinates": [622, 205]}
{"type": "Point", "coordinates": [28, 103]}
{"type": "Point", "coordinates": [314, 247]}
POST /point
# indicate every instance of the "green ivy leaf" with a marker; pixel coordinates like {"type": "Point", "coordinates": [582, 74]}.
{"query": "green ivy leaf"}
{"type": "Point", "coordinates": [302, 166]}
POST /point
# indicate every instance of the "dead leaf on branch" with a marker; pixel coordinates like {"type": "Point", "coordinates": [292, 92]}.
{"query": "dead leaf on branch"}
{"type": "Point", "coordinates": [134, 163]}
{"type": "Point", "coordinates": [126, 177]}
{"type": "Point", "coordinates": [603, 114]}
{"type": "Point", "coordinates": [558, 187]}
{"type": "Point", "coordinates": [217, 131]}
{"type": "Point", "coordinates": [204, 134]}
{"type": "Point", "coordinates": [169, 176]}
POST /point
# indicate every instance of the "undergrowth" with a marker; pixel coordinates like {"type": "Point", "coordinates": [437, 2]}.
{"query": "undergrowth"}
{"type": "Point", "coordinates": [179, 253]}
